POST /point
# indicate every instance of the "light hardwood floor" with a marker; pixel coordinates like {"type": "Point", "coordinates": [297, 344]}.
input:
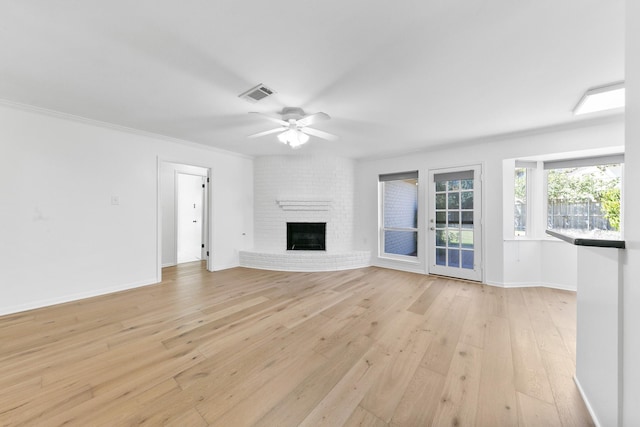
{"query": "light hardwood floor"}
{"type": "Point", "coordinates": [240, 347]}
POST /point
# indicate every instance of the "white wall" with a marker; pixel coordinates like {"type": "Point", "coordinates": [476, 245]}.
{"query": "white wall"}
{"type": "Point", "coordinates": [303, 178]}
{"type": "Point", "coordinates": [522, 261]}
{"type": "Point", "coordinates": [598, 335]}
{"type": "Point", "coordinates": [631, 269]}
{"type": "Point", "coordinates": [549, 263]}
{"type": "Point", "coordinates": [489, 153]}
{"type": "Point", "coordinates": [168, 206]}
{"type": "Point", "coordinates": [559, 265]}
{"type": "Point", "coordinates": [62, 239]}
{"type": "Point", "coordinates": [536, 259]}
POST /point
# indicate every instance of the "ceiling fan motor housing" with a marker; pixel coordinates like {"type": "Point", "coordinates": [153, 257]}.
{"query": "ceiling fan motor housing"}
{"type": "Point", "coordinates": [289, 113]}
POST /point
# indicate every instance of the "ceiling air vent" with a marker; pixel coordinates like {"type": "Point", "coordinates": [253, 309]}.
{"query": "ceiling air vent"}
{"type": "Point", "coordinates": [256, 93]}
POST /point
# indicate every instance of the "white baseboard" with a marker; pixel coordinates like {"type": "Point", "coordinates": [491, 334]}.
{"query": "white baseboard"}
{"type": "Point", "coordinates": [225, 267]}
{"type": "Point", "coordinates": [508, 285]}
{"type": "Point", "coordinates": [398, 265]}
{"type": "Point", "coordinates": [74, 297]}
{"type": "Point", "coordinates": [559, 286]}
{"type": "Point", "coordinates": [587, 403]}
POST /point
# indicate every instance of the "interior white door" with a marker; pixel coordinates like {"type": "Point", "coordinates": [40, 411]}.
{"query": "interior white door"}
{"type": "Point", "coordinates": [189, 217]}
{"type": "Point", "coordinates": [455, 218]}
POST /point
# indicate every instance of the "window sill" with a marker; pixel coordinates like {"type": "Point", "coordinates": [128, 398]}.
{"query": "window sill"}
{"type": "Point", "coordinates": [406, 259]}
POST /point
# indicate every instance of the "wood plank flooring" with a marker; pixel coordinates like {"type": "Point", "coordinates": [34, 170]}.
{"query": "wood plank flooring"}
{"type": "Point", "coordinates": [242, 347]}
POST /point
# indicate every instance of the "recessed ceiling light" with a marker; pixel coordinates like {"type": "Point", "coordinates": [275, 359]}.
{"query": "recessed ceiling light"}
{"type": "Point", "coordinates": [601, 98]}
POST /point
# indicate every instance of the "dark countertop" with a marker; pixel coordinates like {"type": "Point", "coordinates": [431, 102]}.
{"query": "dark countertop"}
{"type": "Point", "coordinates": [578, 241]}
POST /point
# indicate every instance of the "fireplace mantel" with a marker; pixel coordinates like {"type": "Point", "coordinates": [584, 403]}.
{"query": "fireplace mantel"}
{"type": "Point", "coordinates": [304, 205]}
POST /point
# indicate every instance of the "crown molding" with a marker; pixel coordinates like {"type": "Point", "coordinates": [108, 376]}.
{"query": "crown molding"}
{"type": "Point", "coordinates": [469, 142]}
{"type": "Point", "coordinates": [107, 125]}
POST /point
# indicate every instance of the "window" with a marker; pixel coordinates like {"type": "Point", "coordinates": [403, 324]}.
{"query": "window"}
{"type": "Point", "coordinates": [520, 198]}
{"type": "Point", "coordinates": [583, 197]}
{"type": "Point", "coordinates": [524, 176]}
{"type": "Point", "coordinates": [399, 214]}
{"type": "Point", "coordinates": [579, 196]}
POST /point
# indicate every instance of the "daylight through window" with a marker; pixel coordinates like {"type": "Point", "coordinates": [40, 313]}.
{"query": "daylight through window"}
{"type": "Point", "coordinates": [584, 200]}
{"type": "Point", "coordinates": [399, 222]}
{"type": "Point", "coordinates": [520, 205]}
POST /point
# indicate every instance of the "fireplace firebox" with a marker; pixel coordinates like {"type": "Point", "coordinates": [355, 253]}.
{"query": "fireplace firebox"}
{"type": "Point", "coordinates": [306, 236]}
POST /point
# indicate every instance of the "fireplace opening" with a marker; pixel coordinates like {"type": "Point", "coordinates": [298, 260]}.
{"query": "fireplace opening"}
{"type": "Point", "coordinates": [306, 236]}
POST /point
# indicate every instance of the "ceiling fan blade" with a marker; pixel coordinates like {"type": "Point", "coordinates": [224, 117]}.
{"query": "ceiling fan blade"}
{"type": "Point", "coordinates": [273, 119]}
{"type": "Point", "coordinates": [319, 133]}
{"type": "Point", "coordinates": [312, 118]}
{"type": "Point", "coordinates": [266, 132]}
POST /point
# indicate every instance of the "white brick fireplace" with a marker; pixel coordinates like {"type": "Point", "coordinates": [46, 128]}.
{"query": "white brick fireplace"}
{"type": "Point", "coordinates": [303, 189]}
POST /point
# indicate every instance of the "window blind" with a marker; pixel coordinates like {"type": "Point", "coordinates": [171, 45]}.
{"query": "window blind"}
{"type": "Point", "coordinates": [585, 161]}
{"type": "Point", "coordinates": [526, 164]}
{"type": "Point", "coordinates": [398, 176]}
{"type": "Point", "coordinates": [453, 176]}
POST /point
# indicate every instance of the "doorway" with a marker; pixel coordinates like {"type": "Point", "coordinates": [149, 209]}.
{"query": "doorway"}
{"type": "Point", "coordinates": [455, 218]}
{"type": "Point", "coordinates": [176, 206]}
{"type": "Point", "coordinates": [190, 196]}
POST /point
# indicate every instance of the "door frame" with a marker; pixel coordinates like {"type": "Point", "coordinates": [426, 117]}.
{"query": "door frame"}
{"type": "Point", "coordinates": [478, 204]}
{"type": "Point", "coordinates": [208, 219]}
{"type": "Point", "coordinates": [205, 222]}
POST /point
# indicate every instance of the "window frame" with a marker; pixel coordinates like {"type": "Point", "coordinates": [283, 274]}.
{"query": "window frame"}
{"type": "Point", "coordinates": [581, 163]}
{"type": "Point", "coordinates": [529, 168]}
{"type": "Point", "coordinates": [537, 187]}
{"type": "Point", "coordinates": [382, 179]}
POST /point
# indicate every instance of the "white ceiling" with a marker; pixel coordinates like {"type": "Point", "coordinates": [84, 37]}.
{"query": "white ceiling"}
{"type": "Point", "coordinates": [395, 76]}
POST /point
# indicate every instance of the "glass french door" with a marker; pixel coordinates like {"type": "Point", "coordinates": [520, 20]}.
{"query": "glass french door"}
{"type": "Point", "coordinates": [455, 246]}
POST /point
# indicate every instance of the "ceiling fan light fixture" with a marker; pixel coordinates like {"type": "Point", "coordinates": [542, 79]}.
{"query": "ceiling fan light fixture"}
{"type": "Point", "coordinates": [294, 138]}
{"type": "Point", "coordinates": [294, 130]}
{"type": "Point", "coordinates": [284, 137]}
{"type": "Point", "coordinates": [303, 138]}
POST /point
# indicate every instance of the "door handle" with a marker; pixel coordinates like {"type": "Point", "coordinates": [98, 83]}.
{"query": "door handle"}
{"type": "Point", "coordinates": [195, 220]}
{"type": "Point", "coordinates": [432, 228]}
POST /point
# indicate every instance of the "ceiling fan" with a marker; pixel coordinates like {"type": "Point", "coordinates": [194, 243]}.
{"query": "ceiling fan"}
{"type": "Point", "coordinates": [294, 127]}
